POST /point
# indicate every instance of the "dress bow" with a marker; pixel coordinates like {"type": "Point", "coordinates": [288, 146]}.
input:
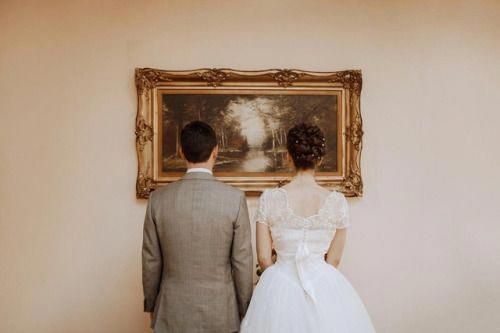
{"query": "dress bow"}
{"type": "Point", "coordinates": [302, 257]}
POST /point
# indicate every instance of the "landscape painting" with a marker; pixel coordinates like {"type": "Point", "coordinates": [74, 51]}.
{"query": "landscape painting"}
{"type": "Point", "coordinates": [251, 127]}
{"type": "Point", "coordinates": [251, 113]}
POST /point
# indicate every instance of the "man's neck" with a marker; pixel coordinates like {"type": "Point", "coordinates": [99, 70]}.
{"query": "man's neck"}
{"type": "Point", "coordinates": [206, 166]}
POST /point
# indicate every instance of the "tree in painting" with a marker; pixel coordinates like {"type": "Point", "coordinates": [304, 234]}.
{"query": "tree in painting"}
{"type": "Point", "coordinates": [251, 129]}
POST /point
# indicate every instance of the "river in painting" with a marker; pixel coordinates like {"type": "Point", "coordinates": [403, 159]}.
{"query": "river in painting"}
{"type": "Point", "coordinates": [251, 129]}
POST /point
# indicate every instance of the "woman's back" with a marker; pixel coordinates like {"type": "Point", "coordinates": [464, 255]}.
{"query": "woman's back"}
{"type": "Point", "coordinates": [310, 228]}
{"type": "Point", "coordinates": [305, 199]}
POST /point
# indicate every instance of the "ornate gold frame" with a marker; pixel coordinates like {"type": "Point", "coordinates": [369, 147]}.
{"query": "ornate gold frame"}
{"type": "Point", "coordinates": [149, 81]}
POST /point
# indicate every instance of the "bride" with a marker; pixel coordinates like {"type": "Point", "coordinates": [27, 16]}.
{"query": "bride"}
{"type": "Point", "coordinates": [303, 292]}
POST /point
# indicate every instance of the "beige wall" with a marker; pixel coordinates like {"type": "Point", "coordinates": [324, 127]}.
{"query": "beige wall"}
{"type": "Point", "coordinates": [422, 247]}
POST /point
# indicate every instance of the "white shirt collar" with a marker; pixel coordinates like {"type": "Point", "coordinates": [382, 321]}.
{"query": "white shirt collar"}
{"type": "Point", "coordinates": [199, 170]}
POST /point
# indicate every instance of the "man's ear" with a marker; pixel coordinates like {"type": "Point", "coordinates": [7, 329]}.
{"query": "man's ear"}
{"type": "Point", "coordinates": [182, 154]}
{"type": "Point", "coordinates": [215, 152]}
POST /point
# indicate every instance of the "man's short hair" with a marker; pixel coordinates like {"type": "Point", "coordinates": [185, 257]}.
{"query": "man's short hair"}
{"type": "Point", "coordinates": [198, 140]}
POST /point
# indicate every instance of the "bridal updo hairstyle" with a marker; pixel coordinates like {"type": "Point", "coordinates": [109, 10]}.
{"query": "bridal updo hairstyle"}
{"type": "Point", "coordinates": [306, 144]}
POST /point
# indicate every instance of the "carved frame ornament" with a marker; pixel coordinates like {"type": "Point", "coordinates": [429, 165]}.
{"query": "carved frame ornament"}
{"type": "Point", "coordinates": [348, 82]}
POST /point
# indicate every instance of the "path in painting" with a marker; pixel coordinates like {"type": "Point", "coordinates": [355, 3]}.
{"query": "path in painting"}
{"type": "Point", "coordinates": [255, 160]}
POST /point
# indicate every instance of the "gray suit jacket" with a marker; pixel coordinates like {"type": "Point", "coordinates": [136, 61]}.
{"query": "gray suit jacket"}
{"type": "Point", "coordinates": [197, 263]}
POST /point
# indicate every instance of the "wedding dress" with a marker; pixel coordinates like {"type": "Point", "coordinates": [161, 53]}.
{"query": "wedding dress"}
{"type": "Point", "coordinates": [301, 293]}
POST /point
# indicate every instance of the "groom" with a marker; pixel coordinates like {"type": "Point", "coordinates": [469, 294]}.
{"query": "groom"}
{"type": "Point", "coordinates": [197, 254]}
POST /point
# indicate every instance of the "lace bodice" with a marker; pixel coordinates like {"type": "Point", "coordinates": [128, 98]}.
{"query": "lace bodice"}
{"type": "Point", "coordinates": [289, 230]}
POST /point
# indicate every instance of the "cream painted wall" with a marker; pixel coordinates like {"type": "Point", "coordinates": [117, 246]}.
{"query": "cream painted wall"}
{"type": "Point", "coordinates": [423, 249]}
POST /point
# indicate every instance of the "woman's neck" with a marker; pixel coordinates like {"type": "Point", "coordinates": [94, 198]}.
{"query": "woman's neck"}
{"type": "Point", "coordinates": [304, 177]}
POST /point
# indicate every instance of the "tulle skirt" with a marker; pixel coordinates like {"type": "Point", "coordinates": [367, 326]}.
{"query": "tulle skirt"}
{"type": "Point", "coordinates": [280, 303]}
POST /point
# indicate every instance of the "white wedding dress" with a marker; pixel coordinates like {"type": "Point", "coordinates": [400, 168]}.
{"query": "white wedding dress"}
{"type": "Point", "coordinates": [301, 293]}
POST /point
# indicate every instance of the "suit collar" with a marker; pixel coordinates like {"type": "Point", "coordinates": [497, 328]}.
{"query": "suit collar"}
{"type": "Point", "coordinates": [200, 170]}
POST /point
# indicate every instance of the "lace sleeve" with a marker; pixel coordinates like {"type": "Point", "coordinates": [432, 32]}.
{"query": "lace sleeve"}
{"type": "Point", "coordinates": [343, 220]}
{"type": "Point", "coordinates": [262, 212]}
{"type": "Point", "coordinates": [338, 211]}
{"type": "Point", "coordinates": [343, 217]}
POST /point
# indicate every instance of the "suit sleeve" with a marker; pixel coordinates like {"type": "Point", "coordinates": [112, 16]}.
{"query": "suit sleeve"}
{"type": "Point", "coordinates": [152, 261]}
{"type": "Point", "coordinates": [242, 257]}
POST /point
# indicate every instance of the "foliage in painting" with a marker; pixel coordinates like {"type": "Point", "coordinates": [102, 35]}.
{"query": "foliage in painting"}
{"type": "Point", "coordinates": [251, 129]}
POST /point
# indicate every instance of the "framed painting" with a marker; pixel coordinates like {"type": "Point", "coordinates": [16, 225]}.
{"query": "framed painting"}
{"type": "Point", "coordinates": [251, 112]}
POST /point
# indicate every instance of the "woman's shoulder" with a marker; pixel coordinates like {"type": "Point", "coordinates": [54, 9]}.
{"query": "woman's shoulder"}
{"type": "Point", "coordinates": [271, 203]}
{"type": "Point", "coordinates": [335, 204]}
{"type": "Point", "coordinates": [335, 194]}
{"type": "Point", "coordinates": [335, 197]}
{"type": "Point", "coordinates": [273, 193]}
{"type": "Point", "coordinates": [318, 192]}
